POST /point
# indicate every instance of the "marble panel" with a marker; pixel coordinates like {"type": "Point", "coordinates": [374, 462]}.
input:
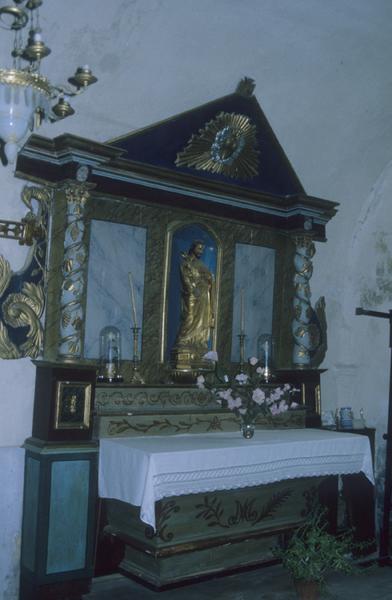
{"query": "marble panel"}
{"type": "Point", "coordinates": [254, 273]}
{"type": "Point", "coordinates": [115, 251]}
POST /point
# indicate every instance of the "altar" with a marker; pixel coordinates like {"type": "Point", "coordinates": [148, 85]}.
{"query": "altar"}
{"type": "Point", "coordinates": [196, 504]}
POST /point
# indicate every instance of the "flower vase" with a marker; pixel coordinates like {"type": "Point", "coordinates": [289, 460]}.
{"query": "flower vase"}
{"type": "Point", "coordinates": [247, 428]}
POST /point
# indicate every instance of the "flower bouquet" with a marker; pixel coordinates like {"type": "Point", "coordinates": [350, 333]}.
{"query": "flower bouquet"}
{"type": "Point", "coordinates": [247, 394]}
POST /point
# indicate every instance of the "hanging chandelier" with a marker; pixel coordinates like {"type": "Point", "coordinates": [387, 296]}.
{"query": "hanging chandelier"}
{"type": "Point", "coordinates": [27, 97]}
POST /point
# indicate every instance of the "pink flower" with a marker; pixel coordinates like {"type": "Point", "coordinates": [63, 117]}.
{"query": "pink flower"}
{"type": "Point", "coordinates": [241, 378]}
{"type": "Point", "coordinates": [258, 396]}
{"type": "Point", "coordinates": [276, 394]}
{"type": "Point", "coordinates": [200, 382]}
{"type": "Point", "coordinates": [233, 403]}
{"type": "Point", "coordinates": [225, 394]}
{"type": "Point", "coordinates": [253, 361]}
{"type": "Point", "coordinates": [283, 406]}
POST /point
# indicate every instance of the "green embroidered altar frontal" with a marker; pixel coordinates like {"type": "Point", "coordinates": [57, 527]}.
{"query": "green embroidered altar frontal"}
{"type": "Point", "coordinates": [202, 534]}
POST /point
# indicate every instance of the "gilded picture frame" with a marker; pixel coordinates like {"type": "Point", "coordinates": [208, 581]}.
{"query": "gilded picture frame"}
{"type": "Point", "coordinates": [73, 405]}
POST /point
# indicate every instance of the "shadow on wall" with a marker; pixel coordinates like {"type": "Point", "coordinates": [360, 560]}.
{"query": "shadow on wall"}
{"type": "Point", "coordinates": [370, 271]}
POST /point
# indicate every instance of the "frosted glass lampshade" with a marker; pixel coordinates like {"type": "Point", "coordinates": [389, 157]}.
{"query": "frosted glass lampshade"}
{"type": "Point", "coordinates": [21, 94]}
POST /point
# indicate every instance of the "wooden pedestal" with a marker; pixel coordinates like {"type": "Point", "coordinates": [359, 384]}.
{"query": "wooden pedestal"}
{"type": "Point", "coordinates": [60, 487]}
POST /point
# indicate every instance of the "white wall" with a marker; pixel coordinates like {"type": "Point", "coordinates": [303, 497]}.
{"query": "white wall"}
{"type": "Point", "coordinates": [324, 81]}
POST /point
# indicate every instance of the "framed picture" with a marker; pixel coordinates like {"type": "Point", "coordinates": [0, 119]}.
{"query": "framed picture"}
{"type": "Point", "coordinates": [73, 403]}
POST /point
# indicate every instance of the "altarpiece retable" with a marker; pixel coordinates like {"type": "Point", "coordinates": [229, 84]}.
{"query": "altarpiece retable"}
{"type": "Point", "coordinates": [188, 237]}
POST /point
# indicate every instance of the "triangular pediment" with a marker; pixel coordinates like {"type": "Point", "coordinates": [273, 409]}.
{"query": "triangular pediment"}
{"type": "Point", "coordinates": [228, 140]}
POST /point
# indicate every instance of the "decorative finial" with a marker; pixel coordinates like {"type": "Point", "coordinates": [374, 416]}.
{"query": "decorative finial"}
{"type": "Point", "coordinates": [246, 87]}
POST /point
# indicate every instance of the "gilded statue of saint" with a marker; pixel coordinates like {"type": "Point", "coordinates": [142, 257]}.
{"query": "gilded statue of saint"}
{"type": "Point", "coordinates": [197, 304]}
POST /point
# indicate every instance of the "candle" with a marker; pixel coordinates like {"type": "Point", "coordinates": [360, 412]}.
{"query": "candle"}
{"type": "Point", "coordinates": [133, 304]}
{"type": "Point", "coordinates": [242, 312]}
{"type": "Point", "coordinates": [266, 354]}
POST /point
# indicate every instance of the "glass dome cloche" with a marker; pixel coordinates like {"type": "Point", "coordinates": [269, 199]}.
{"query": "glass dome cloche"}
{"type": "Point", "coordinates": [110, 355]}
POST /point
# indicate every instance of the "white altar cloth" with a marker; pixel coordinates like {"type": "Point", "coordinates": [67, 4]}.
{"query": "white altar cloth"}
{"type": "Point", "coordinates": [142, 470]}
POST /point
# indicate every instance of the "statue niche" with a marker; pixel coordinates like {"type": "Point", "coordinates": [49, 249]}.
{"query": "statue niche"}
{"type": "Point", "coordinates": [193, 270]}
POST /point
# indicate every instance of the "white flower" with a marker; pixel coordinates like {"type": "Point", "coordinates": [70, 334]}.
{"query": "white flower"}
{"type": "Point", "coordinates": [260, 370]}
{"type": "Point", "coordinates": [211, 355]}
{"type": "Point", "coordinates": [242, 378]}
{"type": "Point", "coordinates": [294, 405]}
{"type": "Point", "coordinates": [200, 382]}
{"type": "Point", "coordinates": [253, 361]}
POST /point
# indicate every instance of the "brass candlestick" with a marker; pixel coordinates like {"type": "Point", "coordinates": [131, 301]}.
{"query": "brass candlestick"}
{"type": "Point", "coordinates": [136, 378]}
{"type": "Point", "coordinates": [242, 337]}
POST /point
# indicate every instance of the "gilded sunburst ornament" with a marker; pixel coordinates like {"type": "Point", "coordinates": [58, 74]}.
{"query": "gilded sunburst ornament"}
{"type": "Point", "coordinates": [226, 145]}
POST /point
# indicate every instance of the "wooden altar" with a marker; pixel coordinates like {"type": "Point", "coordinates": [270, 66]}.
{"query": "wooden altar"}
{"type": "Point", "coordinates": [232, 523]}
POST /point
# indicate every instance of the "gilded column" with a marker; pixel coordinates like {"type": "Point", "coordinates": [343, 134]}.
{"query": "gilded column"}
{"type": "Point", "coordinates": [301, 326]}
{"type": "Point", "coordinates": [74, 272]}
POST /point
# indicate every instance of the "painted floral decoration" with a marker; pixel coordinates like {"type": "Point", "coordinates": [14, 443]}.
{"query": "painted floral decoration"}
{"type": "Point", "coordinates": [246, 394]}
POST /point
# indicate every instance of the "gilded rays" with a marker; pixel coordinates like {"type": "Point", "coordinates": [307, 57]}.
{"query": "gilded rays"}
{"type": "Point", "coordinates": [226, 145]}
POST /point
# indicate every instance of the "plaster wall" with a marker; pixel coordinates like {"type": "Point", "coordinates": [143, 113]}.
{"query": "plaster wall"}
{"type": "Point", "coordinates": [324, 81]}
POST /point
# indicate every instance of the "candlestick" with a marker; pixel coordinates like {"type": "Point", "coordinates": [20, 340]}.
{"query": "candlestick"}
{"type": "Point", "coordinates": [133, 303]}
{"type": "Point", "coordinates": [242, 337]}
{"type": "Point", "coordinates": [136, 378]}
{"type": "Point", "coordinates": [242, 312]}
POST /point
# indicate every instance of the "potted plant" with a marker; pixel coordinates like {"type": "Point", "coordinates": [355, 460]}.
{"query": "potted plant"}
{"type": "Point", "coordinates": [312, 552]}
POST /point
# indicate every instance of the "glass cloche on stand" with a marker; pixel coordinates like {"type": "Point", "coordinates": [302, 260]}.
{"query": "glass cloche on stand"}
{"type": "Point", "coordinates": [110, 355]}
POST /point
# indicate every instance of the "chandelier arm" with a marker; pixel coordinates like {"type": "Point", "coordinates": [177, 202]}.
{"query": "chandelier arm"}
{"type": "Point", "coordinates": [65, 90]}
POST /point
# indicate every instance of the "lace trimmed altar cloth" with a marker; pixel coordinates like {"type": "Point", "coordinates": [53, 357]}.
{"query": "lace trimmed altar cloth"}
{"type": "Point", "coordinates": [142, 470]}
